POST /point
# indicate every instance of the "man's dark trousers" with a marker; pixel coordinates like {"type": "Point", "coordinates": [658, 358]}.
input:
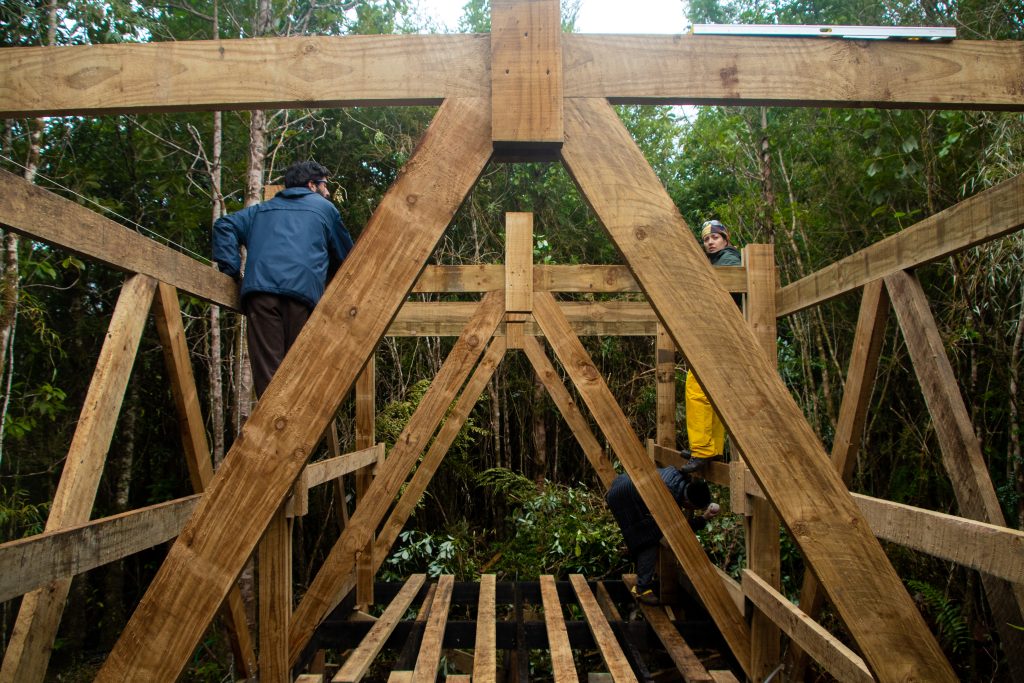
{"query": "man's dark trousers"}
{"type": "Point", "coordinates": [274, 322]}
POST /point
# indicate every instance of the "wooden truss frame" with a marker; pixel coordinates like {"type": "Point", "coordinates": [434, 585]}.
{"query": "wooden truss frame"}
{"type": "Point", "coordinates": [526, 91]}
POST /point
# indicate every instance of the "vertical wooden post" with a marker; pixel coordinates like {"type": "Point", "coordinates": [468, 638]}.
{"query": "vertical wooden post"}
{"type": "Point", "coordinates": [526, 76]}
{"type": "Point", "coordinates": [518, 276]}
{"type": "Point", "coordinates": [365, 437]}
{"type": "Point", "coordinates": [665, 374]}
{"type": "Point", "coordinates": [763, 524]}
{"type": "Point", "coordinates": [28, 651]}
{"type": "Point", "coordinates": [275, 561]}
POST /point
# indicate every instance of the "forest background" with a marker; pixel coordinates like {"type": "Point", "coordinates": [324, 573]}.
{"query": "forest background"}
{"type": "Point", "coordinates": [514, 496]}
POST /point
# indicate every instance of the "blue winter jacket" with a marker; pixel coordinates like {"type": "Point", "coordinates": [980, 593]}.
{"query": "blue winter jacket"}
{"type": "Point", "coordinates": [639, 530]}
{"type": "Point", "coordinates": [293, 242]}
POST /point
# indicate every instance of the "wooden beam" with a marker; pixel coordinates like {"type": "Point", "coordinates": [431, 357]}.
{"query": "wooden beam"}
{"type": "Point", "coordinates": [275, 591]}
{"type": "Point", "coordinates": [641, 471]}
{"type": "Point", "coordinates": [563, 668]}
{"type": "Point", "coordinates": [860, 380]}
{"type": "Point", "coordinates": [365, 437]}
{"type": "Point", "coordinates": [551, 278]}
{"type": "Point", "coordinates": [485, 659]}
{"type": "Point", "coordinates": [358, 663]}
{"type": "Point", "coordinates": [29, 563]}
{"type": "Point", "coordinates": [28, 651]}
{"type": "Point", "coordinates": [552, 381]}
{"type": "Point", "coordinates": [519, 262]}
{"type": "Point", "coordinates": [42, 215]}
{"type": "Point", "coordinates": [611, 652]}
{"type": "Point", "coordinates": [665, 378]}
{"type": "Point", "coordinates": [839, 660]}
{"type": "Point", "coordinates": [192, 427]}
{"type": "Point", "coordinates": [188, 75]}
{"type": "Point", "coordinates": [323, 471]}
{"type": "Point", "coordinates": [986, 216]}
{"type": "Point", "coordinates": [433, 636]}
{"type": "Point", "coordinates": [988, 548]}
{"type": "Point", "coordinates": [961, 450]}
{"type": "Point", "coordinates": [767, 425]}
{"type": "Point", "coordinates": [526, 75]}
{"type": "Point", "coordinates": [446, 318]}
{"type": "Point", "coordinates": [303, 396]}
{"type": "Point", "coordinates": [747, 70]}
{"type": "Point", "coordinates": [690, 667]}
{"type": "Point", "coordinates": [763, 546]}
{"type": "Point", "coordinates": [331, 583]}
{"type": "Point", "coordinates": [453, 423]}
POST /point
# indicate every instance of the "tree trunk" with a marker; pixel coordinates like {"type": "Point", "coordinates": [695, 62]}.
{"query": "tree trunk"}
{"type": "Point", "coordinates": [539, 430]}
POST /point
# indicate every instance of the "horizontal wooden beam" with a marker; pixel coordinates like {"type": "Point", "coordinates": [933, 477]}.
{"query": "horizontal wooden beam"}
{"type": "Point", "coordinates": [33, 562]}
{"type": "Point", "coordinates": [744, 70]}
{"type": "Point", "coordinates": [421, 69]}
{"type": "Point", "coordinates": [306, 71]}
{"type": "Point", "coordinates": [986, 216]}
{"type": "Point", "coordinates": [827, 650]}
{"type": "Point", "coordinates": [323, 471]}
{"type": "Point", "coordinates": [551, 278]}
{"type": "Point", "coordinates": [988, 548]}
{"type": "Point", "coordinates": [42, 215]}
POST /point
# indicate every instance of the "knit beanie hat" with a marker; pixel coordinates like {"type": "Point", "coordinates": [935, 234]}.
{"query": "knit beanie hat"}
{"type": "Point", "coordinates": [716, 227]}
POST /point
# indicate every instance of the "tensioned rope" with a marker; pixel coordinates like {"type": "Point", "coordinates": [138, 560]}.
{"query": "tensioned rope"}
{"type": "Point", "coordinates": [123, 219]}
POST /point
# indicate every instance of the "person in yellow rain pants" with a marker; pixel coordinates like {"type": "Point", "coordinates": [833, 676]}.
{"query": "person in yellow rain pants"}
{"type": "Point", "coordinates": [703, 426]}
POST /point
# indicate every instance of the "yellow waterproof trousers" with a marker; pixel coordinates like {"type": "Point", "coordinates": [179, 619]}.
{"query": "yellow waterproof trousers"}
{"type": "Point", "coordinates": [703, 426]}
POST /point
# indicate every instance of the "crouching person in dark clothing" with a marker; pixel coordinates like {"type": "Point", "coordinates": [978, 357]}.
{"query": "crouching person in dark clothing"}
{"type": "Point", "coordinates": [641, 532]}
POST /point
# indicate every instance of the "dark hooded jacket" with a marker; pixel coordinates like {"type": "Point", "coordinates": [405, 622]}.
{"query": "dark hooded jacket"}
{"type": "Point", "coordinates": [639, 529]}
{"type": "Point", "coordinates": [293, 242]}
{"type": "Point", "coordinates": [730, 256]}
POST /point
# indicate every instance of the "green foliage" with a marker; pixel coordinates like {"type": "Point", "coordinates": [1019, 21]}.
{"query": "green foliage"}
{"type": "Point", "coordinates": [947, 616]}
{"type": "Point", "coordinates": [557, 529]}
{"type": "Point", "coordinates": [433, 554]}
{"type": "Point", "coordinates": [18, 517]}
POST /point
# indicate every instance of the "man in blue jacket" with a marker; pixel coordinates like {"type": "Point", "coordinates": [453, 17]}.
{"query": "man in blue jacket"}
{"type": "Point", "coordinates": [294, 244]}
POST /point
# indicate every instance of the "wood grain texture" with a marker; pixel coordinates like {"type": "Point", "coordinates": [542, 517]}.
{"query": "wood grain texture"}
{"type": "Point", "coordinates": [519, 262]}
{"type": "Point", "coordinates": [28, 650]}
{"type": "Point", "coordinates": [690, 667]}
{"type": "Point", "coordinates": [665, 376]}
{"type": "Point", "coordinates": [563, 668]}
{"type": "Point", "coordinates": [526, 74]}
{"type": "Point", "coordinates": [607, 644]}
{"type": "Point", "coordinates": [631, 453]}
{"type": "Point", "coordinates": [365, 437]}
{"type": "Point", "coordinates": [291, 416]}
{"type": "Point", "coordinates": [433, 637]}
{"type": "Point", "coordinates": [827, 650]}
{"type": "Point", "coordinates": [485, 655]}
{"type": "Point", "coordinates": [747, 70]}
{"type": "Point", "coordinates": [45, 216]}
{"type": "Point", "coordinates": [986, 216]}
{"type": "Point", "coordinates": [192, 427]}
{"type": "Point", "coordinates": [552, 381]}
{"type": "Point", "coordinates": [323, 471]}
{"type": "Point", "coordinates": [275, 603]}
{"type": "Point", "coordinates": [266, 73]}
{"type": "Point", "coordinates": [782, 450]}
{"type": "Point", "coordinates": [359, 661]}
{"type": "Point", "coordinates": [332, 582]}
{"type": "Point", "coordinates": [961, 450]}
{"type": "Point", "coordinates": [552, 278]}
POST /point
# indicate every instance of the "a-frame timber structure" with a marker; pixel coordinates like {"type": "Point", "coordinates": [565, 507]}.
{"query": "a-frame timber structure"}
{"type": "Point", "coordinates": [525, 91]}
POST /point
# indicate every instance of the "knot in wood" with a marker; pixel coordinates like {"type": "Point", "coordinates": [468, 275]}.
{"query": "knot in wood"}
{"type": "Point", "coordinates": [473, 341]}
{"type": "Point", "coordinates": [280, 423]}
{"type": "Point", "coordinates": [412, 199]}
{"type": "Point", "coordinates": [640, 234]}
{"type": "Point", "coordinates": [352, 312]}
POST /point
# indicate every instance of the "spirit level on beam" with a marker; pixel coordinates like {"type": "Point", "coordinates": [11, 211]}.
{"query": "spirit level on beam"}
{"type": "Point", "coordinates": [923, 33]}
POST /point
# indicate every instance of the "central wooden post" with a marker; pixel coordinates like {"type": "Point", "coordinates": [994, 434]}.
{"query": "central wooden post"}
{"type": "Point", "coordinates": [526, 78]}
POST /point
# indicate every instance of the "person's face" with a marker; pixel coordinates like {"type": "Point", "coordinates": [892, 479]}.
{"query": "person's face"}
{"type": "Point", "coordinates": [715, 242]}
{"type": "Point", "coordinates": [320, 187]}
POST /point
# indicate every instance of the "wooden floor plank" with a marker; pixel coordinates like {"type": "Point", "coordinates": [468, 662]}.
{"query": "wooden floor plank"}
{"type": "Point", "coordinates": [289, 419]}
{"type": "Point", "coordinates": [485, 655]}
{"type": "Point", "coordinates": [614, 657]}
{"type": "Point", "coordinates": [690, 667]}
{"type": "Point", "coordinates": [433, 637]}
{"type": "Point", "coordinates": [781, 449]}
{"type": "Point", "coordinates": [563, 668]}
{"type": "Point", "coordinates": [358, 663]}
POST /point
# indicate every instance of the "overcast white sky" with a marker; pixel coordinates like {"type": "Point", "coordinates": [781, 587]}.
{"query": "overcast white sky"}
{"type": "Point", "coordinates": [596, 16]}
